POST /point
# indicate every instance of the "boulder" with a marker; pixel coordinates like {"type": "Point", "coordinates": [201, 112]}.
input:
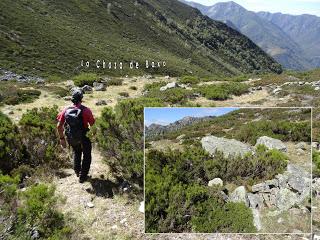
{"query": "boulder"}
{"type": "Point", "coordinates": [298, 179]}
{"type": "Point", "coordinates": [285, 199]}
{"type": "Point", "coordinates": [272, 143]}
{"type": "Point", "coordinates": [99, 86]}
{"type": "Point", "coordinates": [215, 182]}
{"type": "Point", "coordinates": [86, 88]}
{"type": "Point", "coordinates": [169, 86]}
{"type": "Point", "coordinates": [239, 195]}
{"type": "Point", "coordinates": [229, 147]}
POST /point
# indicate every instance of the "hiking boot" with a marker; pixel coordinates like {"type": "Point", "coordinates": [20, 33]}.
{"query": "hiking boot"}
{"type": "Point", "coordinates": [82, 179]}
{"type": "Point", "coordinates": [78, 174]}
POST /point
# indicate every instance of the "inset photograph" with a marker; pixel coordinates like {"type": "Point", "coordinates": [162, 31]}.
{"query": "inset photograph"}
{"type": "Point", "coordinates": [228, 170]}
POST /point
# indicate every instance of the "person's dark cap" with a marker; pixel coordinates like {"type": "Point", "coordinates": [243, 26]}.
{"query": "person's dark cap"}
{"type": "Point", "coordinates": [77, 95]}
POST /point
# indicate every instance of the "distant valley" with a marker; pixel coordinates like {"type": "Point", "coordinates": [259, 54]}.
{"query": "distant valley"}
{"type": "Point", "coordinates": [291, 40]}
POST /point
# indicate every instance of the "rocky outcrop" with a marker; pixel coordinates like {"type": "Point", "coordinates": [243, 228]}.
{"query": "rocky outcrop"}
{"type": "Point", "coordinates": [229, 147]}
{"type": "Point", "coordinates": [287, 189]}
{"type": "Point", "coordinates": [272, 143]}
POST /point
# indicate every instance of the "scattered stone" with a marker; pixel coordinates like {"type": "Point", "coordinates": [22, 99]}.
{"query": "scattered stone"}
{"type": "Point", "coordinates": [90, 205]}
{"type": "Point", "coordinates": [301, 145]}
{"type": "Point", "coordinates": [40, 81]}
{"type": "Point", "coordinates": [101, 103]}
{"type": "Point", "coordinates": [141, 207]}
{"type": "Point", "coordinates": [167, 77]}
{"type": "Point", "coordinates": [35, 233]}
{"type": "Point", "coordinates": [168, 86]}
{"type": "Point", "coordinates": [277, 90]}
{"type": "Point", "coordinates": [99, 86]}
{"type": "Point", "coordinates": [272, 143]}
{"type": "Point", "coordinates": [86, 88]}
{"type": "Point", "coordinates": [114, 227]}
{"type": "Point", "coordinates": [229, 147]}
{"type": "Point", "coordinates": [215, 182]}
{"type": "Point", "coordinates": [239, 195]}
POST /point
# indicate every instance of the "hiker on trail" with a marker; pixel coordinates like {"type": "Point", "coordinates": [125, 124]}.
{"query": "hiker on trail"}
{"type": "Point", "coordinates": [74, 123]}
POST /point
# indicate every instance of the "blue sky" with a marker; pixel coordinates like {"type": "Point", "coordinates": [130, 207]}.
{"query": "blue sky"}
{"type": "Point", "coordinates": [295, 7]}
{"type": "Point", "coordinates": [165, 116]}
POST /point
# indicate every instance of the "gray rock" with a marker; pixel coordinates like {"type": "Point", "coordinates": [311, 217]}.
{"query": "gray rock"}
{"type": "Point", "coordinates": [256, 219]}
{"type": "Point", "coordinates": [169, 86]}
{"type": "Point", "coordinates": [282, 180]}
{"type": "Point", "coordinates": [301, 145]}
{"type": "Point", "coordinates": [272, 183]}
{"type": "Point", "coordinates": [316, 186]}
{"type": "Point", "coordinates": [261, 187]}
{"type": "Point", "coordinates": [255, 200]}
{"type": "Point", "coordinates": [215, 182]}
{"type": "Point", "coordinates": [99, 86]}
{"type": "Point", "coordinates": [86, 88]}
{"type": "Point", "coordinates": [229, 147]}
{"type": "Point", "coordinates": [101, 103]}
{"type": "Point", "coordinates": [239, 195]}
{"type": "Point", "coordinates": [285, 199]}
{"type": "Point", "coordinates": [67, 98]}
{"type": "Point", "coordinates": [272, 143]}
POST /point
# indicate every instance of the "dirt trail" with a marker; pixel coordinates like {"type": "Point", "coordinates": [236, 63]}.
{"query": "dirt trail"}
{"type": "Point", "coordinates": [95, 207]}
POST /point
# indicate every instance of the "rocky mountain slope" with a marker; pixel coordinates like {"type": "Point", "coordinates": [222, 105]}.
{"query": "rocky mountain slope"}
{"type": "Point", "coordinates": [291, 40]}
{"type": "Point", "coordinates": [156, 130]}
{"type": "Point", "coordinates": [52, 37]}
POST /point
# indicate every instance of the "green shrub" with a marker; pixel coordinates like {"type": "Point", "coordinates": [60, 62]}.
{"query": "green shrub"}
{"type": "Point", "coordinates": [114, 82]}
{"type": "Point", "coordinates": [12, 94]}
{"type": "Point", "coordinates": [316, 163]}
{"type": "Point", "coordinates": [119, 134]}
{"type": "Point", "coordinates": [178, 200]}
{"type": "Point", "coordinates": [223, 91]}
{"type": "Point", "coordinates": [85, 79]}
{"type": "Point", "coordinates": [12, 151]}
{"type": "Point", "coordinates": [124, 94]}
{"type": "Point", "coordinates": [34, 209]}
{"type": "Point", "coordinates": [283, 130]}
{"type": "Point", "coordinates": [189, 79]}
{"type": "Point", "coordinates": [38, 131]}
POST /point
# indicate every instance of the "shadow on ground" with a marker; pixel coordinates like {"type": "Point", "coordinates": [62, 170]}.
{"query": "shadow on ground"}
{"type": "Point", "coordinates": [103, 187]}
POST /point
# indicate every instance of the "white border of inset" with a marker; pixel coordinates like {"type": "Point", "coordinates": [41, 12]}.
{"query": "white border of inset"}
{"type": "Point", "coordinates": [234, 234]}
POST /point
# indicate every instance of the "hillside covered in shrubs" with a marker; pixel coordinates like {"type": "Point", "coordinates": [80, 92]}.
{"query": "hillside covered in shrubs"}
{"type": "Point", "coordinates": [227, 173]}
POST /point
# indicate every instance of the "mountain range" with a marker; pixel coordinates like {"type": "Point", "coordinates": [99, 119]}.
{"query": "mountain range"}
{"type": "Point", "coordinates": [51, 37]}
{"type": "Point", "coordinates": [294, 41]}
{"type": "Point", "coordinates": [155, 130]}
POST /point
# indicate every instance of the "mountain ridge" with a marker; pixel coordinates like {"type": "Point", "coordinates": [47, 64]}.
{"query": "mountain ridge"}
{"type": "Point", "coordinates": [271, 36]}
